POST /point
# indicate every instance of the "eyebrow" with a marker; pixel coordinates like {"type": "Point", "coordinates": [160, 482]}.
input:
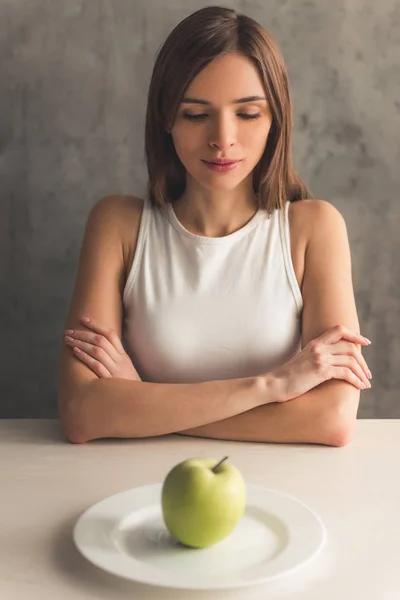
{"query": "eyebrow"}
{"type": "Point", "coordinates": [238, 101]}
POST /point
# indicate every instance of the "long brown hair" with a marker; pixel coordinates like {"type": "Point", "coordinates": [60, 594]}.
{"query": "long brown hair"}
{"type": "Point", "coordinates": [198, 39]}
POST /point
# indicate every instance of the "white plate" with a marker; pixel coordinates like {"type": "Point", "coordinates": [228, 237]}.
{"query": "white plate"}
{"type": "Point", "coordinates": [125, 535]}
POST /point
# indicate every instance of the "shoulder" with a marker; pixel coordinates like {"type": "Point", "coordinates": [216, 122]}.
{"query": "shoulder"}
{"type": "Point", "coordinates": [316, 218]}
{"type": "Point", "coordinates": [118, 207]}
{"type": "Point", "coordinates": [312, 209]}
{"type": "Point", "coordinates": [123, 214]}
{"type": "Point", "coordinates": [120, 212]}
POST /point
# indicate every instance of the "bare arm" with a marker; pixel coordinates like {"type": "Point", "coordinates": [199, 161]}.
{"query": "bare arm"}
{"type": "Point", "coordinates": [93, 408]}
{"type": "Point", "coordinates": [315, 417]}
{"type": "Point", "coordinates": [124, 408]}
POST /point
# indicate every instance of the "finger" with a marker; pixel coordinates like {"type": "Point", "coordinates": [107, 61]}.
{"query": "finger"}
{"type": "Point", "coordinates": [94, 364]}
{"type": "Point", "coordinates": [96, 353]}
{"type": "Point", "coordinates": [347, 374]}
{"type": "Point", "coordinates": [350, 349]}
{"type": "Point", "coordinates": [334, 334]}
{"type": "Point", "coordinates": [355, 367]}
{"type": "Point", "coordinates": [94, 339]}
{"type": "Point", "coordinates": [107, 332]}
{"type": "Point", "coordinates": [341, 360]}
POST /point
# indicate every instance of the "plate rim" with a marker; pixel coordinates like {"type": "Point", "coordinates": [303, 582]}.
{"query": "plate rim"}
{"type": "Point", "coordinates": [155, 487]}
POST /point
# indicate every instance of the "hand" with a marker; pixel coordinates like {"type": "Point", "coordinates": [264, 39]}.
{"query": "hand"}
{"type": "Point", "coordinates": [326, 357]}
{"type": "Point", "coordinates": [102, 351]}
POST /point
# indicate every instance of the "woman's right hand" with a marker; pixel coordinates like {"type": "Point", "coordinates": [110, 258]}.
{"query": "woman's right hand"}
{"type": "Point", "coordinates": [333, 355]}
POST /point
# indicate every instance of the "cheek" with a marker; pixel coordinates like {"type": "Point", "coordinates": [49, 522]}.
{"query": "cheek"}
{"type": "Point", "coordinates": [256, 146]}
{"type": "Point", "coordinates": [255, 139]}
{"type": "Point", "coordinates": [186, 142]}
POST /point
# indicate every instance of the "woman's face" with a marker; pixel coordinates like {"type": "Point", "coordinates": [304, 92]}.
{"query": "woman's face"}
{"type": "Point", "coordinates": [211, 124]}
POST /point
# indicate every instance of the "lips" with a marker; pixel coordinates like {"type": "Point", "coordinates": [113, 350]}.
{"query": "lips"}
{"type": "Point", "coordinates": [224, 167]}
{"type": "Point", "coordinates": [221, 162]}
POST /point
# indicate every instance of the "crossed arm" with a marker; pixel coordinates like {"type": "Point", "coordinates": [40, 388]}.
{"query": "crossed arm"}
{"type": "Point", "coordinates": [327, 413]}
{"type": "Point", "coordinates": [324, 415]}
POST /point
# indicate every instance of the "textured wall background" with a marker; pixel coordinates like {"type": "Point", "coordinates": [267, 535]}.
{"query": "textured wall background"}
{"type": "Point", "coordinates": [74, 80]}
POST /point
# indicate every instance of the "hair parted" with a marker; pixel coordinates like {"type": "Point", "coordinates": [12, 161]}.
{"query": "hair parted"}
{"type": "Point", "coordinates": [198, 39]}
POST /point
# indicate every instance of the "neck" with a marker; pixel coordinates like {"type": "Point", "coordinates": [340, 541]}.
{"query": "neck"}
{"type": "Point", "coordinates": [215, 213]}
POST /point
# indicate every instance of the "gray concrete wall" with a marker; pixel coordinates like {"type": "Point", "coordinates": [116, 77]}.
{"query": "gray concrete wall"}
{"type": "Point", "coordinates": [74, 78]}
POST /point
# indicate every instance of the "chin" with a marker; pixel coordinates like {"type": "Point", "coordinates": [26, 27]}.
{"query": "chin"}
{"type": "Point", "coordinates": [223, 186]}
{"type": "Point", "coordinates": [223, 182]}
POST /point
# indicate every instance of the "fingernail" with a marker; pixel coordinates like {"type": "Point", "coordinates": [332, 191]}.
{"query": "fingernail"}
{"type": "Point", "coordinates": [367, 340]}
{"type": "Point", "coordinates": [369, 374]}
{"type": "Point", "coordinates": [85, 319]}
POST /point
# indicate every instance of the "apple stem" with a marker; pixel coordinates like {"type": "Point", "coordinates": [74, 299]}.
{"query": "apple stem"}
{"type": "Point", "coordinates": [214, 469]}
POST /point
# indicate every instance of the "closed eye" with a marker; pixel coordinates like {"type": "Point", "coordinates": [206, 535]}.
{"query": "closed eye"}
{"type": "Point", "coordinates": [203, 115]}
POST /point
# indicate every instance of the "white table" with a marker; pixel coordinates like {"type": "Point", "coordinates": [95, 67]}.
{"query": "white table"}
{"type": "Point", "coordinates": [46, 484]}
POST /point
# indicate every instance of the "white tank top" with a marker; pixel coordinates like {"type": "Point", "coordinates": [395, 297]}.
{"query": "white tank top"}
{"type": "Point", "coordinates": [200, 309]}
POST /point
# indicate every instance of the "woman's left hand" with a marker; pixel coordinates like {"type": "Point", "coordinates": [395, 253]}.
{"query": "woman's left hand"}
{"type": "Point", "coordinates": [101, 350]}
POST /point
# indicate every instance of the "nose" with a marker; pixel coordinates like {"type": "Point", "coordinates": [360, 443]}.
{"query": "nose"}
{"type": "Point", "coordinates": [222, 134]}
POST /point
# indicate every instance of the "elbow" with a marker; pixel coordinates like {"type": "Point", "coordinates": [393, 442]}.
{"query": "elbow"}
{"type": "Point", "coordinates": [343, 417]}
{"type": "Point", "coordinates": [74, 433]}
{"type": "Point", "coordinates": [341, 437]}
{"type": "Point", "coordinates": [71, 421]}
{"type": "Point", "coordinates": [74, 438]}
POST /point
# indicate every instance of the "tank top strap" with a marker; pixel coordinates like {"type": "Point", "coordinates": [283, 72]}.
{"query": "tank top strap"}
{"type": "Point", "coordinates": [140, 241]}
{"type": "Point", "coordinates": [287, 254]}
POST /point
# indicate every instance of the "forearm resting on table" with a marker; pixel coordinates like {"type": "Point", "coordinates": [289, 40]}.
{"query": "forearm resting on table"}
{"type": "Point", "coordinates": [110, 407]}
{"type": "Point", "coordinates": [324, 415]}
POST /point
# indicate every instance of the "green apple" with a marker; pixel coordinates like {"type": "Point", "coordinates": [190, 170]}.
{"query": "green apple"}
{"type": "Point", "coordinates": [202, 501]}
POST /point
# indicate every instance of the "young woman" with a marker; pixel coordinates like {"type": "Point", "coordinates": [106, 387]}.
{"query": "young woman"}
{"type": "Point", "coordinates": [222, 304]}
